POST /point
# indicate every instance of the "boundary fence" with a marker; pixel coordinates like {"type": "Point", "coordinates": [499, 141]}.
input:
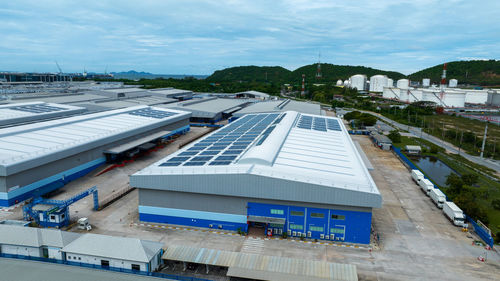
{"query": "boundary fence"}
{"type": "Point", "coordinates": [114, 269]}
{"type": "Point", "coordinates": [480, 231]}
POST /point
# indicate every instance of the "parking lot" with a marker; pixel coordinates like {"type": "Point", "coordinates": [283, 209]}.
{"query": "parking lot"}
{"type": "Point", "coordinates": [416, 241]}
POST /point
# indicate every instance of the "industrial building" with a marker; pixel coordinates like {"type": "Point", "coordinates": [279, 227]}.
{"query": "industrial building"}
{"type": "Point", "coordinates": [209, 110]}
{"type": "Point", "coordinates": [14, 114]}
{"type": "Point", "coordinates": [172, 93]}
{"type": "Point", "coordinates": [41, 157]}
{"type": "Point", "coordinates": [117, 252]}
{"type": "Point", "coordinates": [88, 250]}
{"type": "Point", "coordinates": [253, 95]}
{"type": "Point", "coordinates": [286, 172]}
{"type": "Point", "coordinates": [442, 97]}
{"type": "Point", "coordinates": [34, 242]}
{"type": "Point", "coordinates": [281, 106]}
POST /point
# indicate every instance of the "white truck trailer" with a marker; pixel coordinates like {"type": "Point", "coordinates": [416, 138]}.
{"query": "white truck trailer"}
{"type": "Point", "coordinates": [416, 175]}
{"type": "Point", "coordinates": [426, 185]}
{"type": "Point", "coordinates": [438, 197]}
{"type": "Point", "coordinates": [454, 213]}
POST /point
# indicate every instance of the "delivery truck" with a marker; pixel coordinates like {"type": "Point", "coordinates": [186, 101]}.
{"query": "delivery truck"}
{"type": "Point", "coordinates": [438, 197]}
{"type": "Point", "coordinates": [454, 213]}
{"type": "Point", "coordinates": [426, 185]}
{"type": "Point", "coordinates": [416, 175]}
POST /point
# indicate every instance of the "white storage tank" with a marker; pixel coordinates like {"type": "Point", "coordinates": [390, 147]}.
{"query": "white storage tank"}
{"type": "Point", "coordinates": [390, 93]}
{"type": "Point", "coordinates": [339, 82]}
{"type": "Point", "coordinates": [494, 98]}
{"type": "Point", "coordinates": [403, 83]}
{"type": "Point", "coordinates": [446, 99]}
{"type": "Point", "coordinates": [377, 83]}
{"type": "Point", "coordinates": [476, 96]}
{"type": "Point", "coordinates": [426, 82]}
{"type": "Point", "coordinates": [347, 83]}
{"type": "Point", "coordinates": [358, 81]}
{"type": "Point", "coordinates": [453, 83]}
{"type": "Point", "coordinates": [414, 95]}
{"type": "Point", "coordinates": [390, 82]}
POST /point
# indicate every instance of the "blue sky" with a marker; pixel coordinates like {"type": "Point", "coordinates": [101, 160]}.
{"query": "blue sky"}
{"type": "Point", "coordinates": [198, 37]}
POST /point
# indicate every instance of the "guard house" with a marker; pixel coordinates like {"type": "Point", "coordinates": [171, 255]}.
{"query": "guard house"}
{"type": "Point", "coordinates": [413, 149]}
{"type": "Point", "coordinates": [276, 173]}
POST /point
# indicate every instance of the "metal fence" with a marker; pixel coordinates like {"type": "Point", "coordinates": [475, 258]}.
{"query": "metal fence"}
{"type": "Point", "coordinates": [481, 232]}
{"type": "Point", "coordinates": [109, 268]}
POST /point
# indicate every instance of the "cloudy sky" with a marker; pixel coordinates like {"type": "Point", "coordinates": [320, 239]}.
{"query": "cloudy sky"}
{"type": "Point", "coordinates": [198, 37]}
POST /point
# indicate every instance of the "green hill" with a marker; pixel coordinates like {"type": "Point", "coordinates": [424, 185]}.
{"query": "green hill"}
{"type": "Point", "coordinates": [276, 74]}
{"type": "Point", "coordinates": [332, 72]}
{"type": "Point", "coordinates": [486, 73]}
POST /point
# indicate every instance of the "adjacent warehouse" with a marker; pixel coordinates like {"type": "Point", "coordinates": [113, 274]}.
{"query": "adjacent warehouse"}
{"type": "Point", "coordinates": [283, 172]}
{"type": "Point", "coordinates": [14, 114]}
{"type": "Point", "coordinates": [38, 158]}
{"type": "Point", "coordinates": [281, 106]}
{"type": "Point", "coordinates": [209, 110]}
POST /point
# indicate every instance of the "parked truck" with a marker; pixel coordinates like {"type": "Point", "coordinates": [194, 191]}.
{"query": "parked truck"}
{"type": "Point", "coordinates": [438, 197]}
{"type": "Point", "coordinates": [454, 213]}
{"type": "Point", "coordinates": [426, 185]}
{"type": "Point", "coordinates": [416, 175]}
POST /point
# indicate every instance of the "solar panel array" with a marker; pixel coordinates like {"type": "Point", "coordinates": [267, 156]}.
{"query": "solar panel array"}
{"type": "Point", "coordinates": [37, 108]}
{"type": "Point", "coordinates": [224, 146]}
{"type": "Point", "coordinates": [153, 113]}
{"type": "Point", "coordinates": [318, 123]}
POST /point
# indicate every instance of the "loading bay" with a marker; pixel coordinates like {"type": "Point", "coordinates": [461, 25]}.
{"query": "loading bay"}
{"type": "Point", "coordinates": [415, 241]}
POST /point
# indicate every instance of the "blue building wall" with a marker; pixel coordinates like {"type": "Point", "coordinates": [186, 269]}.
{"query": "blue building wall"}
{"type": "Point", "coordinates": [334, 225]}
{"type": "Point", "coordinates": [349, 226]}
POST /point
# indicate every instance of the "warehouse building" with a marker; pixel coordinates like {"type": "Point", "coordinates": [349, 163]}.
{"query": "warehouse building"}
{"type": "Point", "coordinates": [253, 95]}
{"type": "Point", "coordinates": [14, 114]}
{"type": "Point", "coordinates": [277, 173]}
{"type": "Point", "coordinates": [38, 158]}
{"type": "Point", "coordinates": [173, 93]}
{"type": "Point", "coordinates": [34, 242]}
{"type": "Point", "coordinates": [116, 252]}
{"type": "Point", "coordinates": [280, 106]}
{"type": "Point", "coordinates": [209, 110]}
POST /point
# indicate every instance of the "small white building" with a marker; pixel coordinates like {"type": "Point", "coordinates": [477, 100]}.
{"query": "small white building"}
{"type": "Point", "coordinates": [117, 252]}
{"type": "Point", "coordinates": [34, 242]}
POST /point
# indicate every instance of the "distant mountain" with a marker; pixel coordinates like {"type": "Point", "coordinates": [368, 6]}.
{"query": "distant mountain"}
{"type": "Point", "coordinates": [135, 75]}
{"type": "Point", "coordinates": [277, 74]}
{"type": "Point", "coordinates": [481, 72]}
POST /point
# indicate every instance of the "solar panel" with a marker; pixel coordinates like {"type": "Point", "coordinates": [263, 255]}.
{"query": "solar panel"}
{"type": "Point", "coordinates": [178, 159]}
{"type": "Point", "coordinates": [225, 158]}
{"type": "Point", "coordinates": [152, 113]}
{"type": "Point", "coordinates": [219, 163]}
{"type": "Point", "coordinates": [210, 152]}
{"type": "Point", "coordinates": [188, 153]}
{"type": "Point", "coordinates": [201, 158]}
{"type": "Point", "coordinates": [191, 163]}
{"type": "Point", "coordinates": [237, 152]}
{"type": "Point", "coordinates": [36, 108]}
{"type": "Point", "coordinates": [170, 164]}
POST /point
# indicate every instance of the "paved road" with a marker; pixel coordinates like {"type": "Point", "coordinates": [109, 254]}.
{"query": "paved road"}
{"type": "Point", "coordinates": [448, 146]}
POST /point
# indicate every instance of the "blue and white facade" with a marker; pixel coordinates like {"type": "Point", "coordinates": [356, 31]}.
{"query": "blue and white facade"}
{"type": "Point", "coordinates": [286, 172]}
{"type": "Point", "coordinates": [39, 158]}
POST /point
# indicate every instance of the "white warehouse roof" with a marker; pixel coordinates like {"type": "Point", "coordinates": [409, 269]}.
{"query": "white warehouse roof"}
{"type": "Point", "coordinates": [28, 146]}
{"type": "Point", "coordinates": [16, 113]}
{"type": "Point", "coordinates": [122, 248]}
{"type": "Point", "coordinates": [280, 105]}
{"type": "Point", "coordinates": [282, 156]}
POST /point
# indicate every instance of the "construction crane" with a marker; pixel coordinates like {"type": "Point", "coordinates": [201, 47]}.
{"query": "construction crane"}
{"type": "Point", "coordinates": [55, 213]}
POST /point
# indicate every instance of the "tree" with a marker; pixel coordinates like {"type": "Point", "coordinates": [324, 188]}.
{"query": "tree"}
{"type": "Point", "coordinates": [496, 204]}
{"type": "Point", "coordinates": [395, 136]}
{"type": "Point", "coordinates": [470, 179]}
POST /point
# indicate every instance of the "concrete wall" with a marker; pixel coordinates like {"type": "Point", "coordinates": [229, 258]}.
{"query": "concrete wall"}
{"type": "Point", "coordinates": [125, 264]}
{"type": "Point", "coordinates": [32, 175]}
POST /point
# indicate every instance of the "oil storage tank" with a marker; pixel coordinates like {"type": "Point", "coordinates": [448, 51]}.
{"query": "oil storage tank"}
{"type": "Point", "coordinates": [358, 81]}
{"type": "Point", "coordinates": [444, 98]}
{"type": "Point", "coordinates": [390, 82]}
{"type": "Point", "coordinates": [426, 82]}
{"type": "Point", "coordinates": [403, 83]}
{"type": "Point", "coordinates": [453, 83]}
{"type": "Point", "coordinates": [377, 83]}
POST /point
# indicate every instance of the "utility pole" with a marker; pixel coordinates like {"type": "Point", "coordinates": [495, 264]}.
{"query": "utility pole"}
{"type": "Point", "coordinates": [484, 140]}
{"type": "Point", "coordinates": [443, 133]}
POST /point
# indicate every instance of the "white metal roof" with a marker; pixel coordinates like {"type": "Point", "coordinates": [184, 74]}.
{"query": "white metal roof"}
{"type": "Point", "coordinates": [35, 237]}
{"type": "Point", "coordinates": [286, 149]}
{"type": "Point", "coordinates": [280, 105]}
{"type": "Point", "coordinates": [207, 107]}
{"type": "Point", "coordinates": [28, 146]}
{"type": "Point", "coordinates": [29, 111]}
{"type": "Point", "coordinates": [123, 248]}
